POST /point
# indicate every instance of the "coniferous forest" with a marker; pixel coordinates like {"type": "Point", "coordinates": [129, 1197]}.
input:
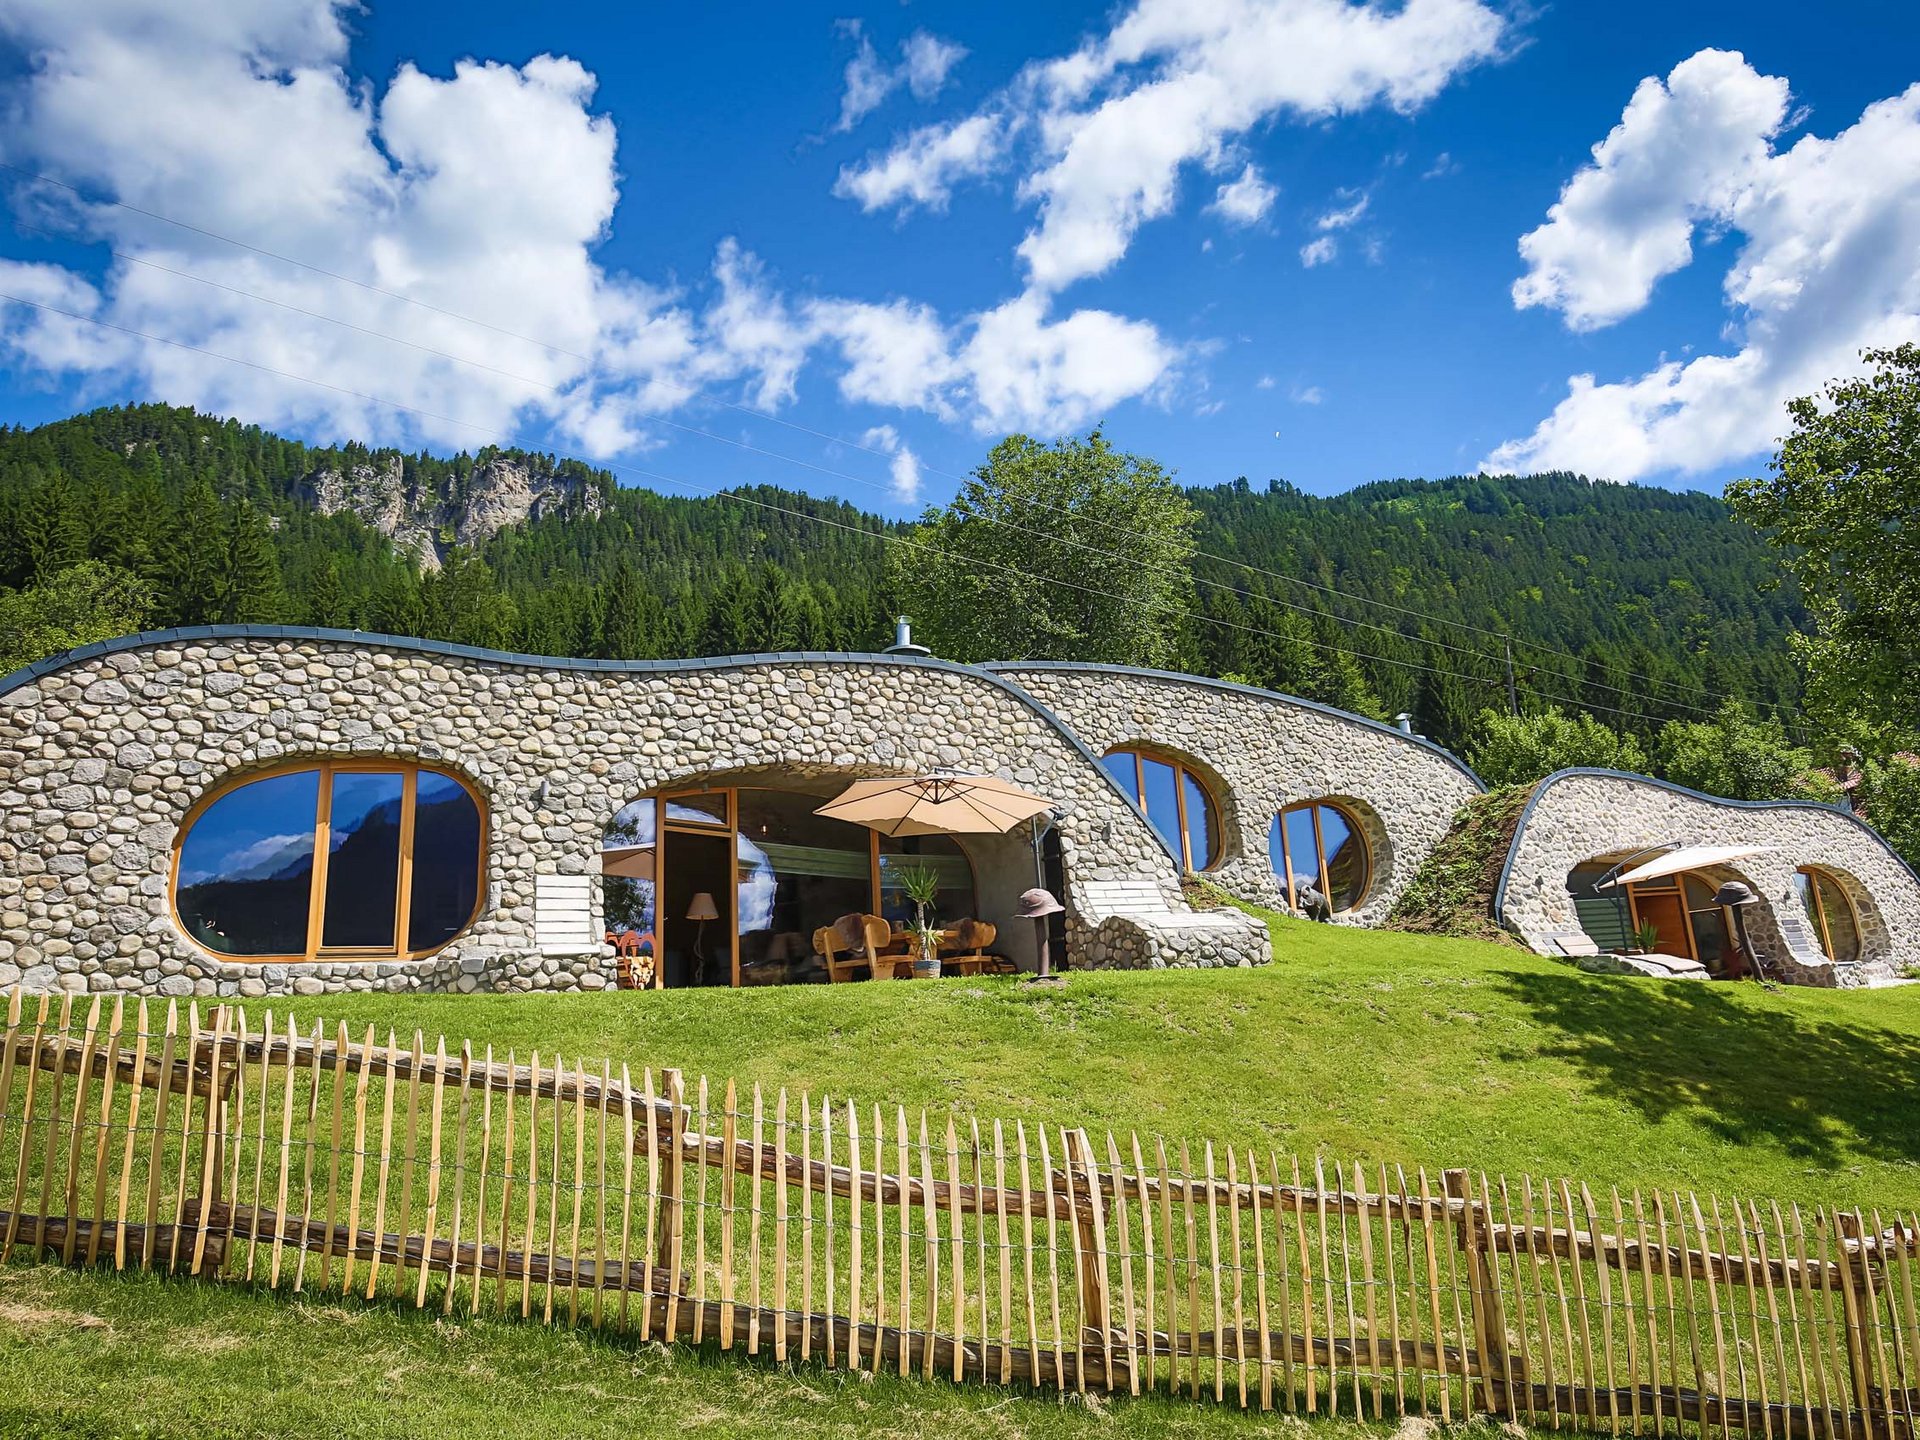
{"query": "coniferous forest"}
{"type": "Point", "coordinates": [1636, 604]}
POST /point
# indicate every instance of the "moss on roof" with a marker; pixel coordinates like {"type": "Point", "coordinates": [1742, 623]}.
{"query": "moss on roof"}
{"type": "Point", "coordinates": [1452, 892]}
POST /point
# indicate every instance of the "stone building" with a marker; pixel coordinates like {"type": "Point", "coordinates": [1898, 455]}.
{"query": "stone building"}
{"type": "Point", "coordinates": [266, 810]}
{"type": "Point", "coordinates": [1598, 854]}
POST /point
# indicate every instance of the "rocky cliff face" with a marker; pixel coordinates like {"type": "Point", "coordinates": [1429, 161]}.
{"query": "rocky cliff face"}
{"type": "Point", "coordinates": [423, 521]}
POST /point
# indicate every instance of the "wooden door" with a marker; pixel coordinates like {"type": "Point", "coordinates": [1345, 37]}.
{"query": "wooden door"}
{"type": "Point", "coordinates": [1666, 910]}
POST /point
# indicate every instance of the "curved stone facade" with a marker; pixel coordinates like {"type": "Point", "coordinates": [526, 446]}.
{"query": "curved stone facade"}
{"type": "Point", "coordinates": [1261, 752]}
{"type": "Point", "coordinates": [103, 752]}
{"type": "Point", "coordinates": [1575, 815]}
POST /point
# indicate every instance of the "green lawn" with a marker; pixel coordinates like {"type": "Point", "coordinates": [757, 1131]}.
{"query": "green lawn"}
{"type": "Point", "coordinates": [1368, 1045]}
{"type": "Point", "coordinates": [1378, 1047]}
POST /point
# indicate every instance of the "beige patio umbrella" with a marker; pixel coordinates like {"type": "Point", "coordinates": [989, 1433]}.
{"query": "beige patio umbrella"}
{"type": "Point", "coordinates": [936, 805]}
{"type": "Point", "coordinates": [629, 862]}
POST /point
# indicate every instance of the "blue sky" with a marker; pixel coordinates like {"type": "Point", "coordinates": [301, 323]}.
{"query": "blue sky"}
{"type": "Point", "coordinates": [1259, 237]}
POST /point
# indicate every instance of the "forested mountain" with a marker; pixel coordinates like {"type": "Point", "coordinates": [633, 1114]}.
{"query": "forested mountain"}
{"type": "Point", "coordinates": [1630, 601]}
{"type": "Point", "coordinates": [1658, 600]}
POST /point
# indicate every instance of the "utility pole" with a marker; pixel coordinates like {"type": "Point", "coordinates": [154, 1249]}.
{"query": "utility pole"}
{"type": "Point", "coordinates": [1513, 690]}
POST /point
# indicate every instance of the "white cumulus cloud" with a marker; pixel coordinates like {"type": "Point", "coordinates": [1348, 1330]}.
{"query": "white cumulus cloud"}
{"type": "Point", "coordinates": [1829, 263]}
{"type": "Point", "coordinates": [1111, 126]}
{"type": "Point", "coordinates": [1322, 251]}
{"type": "Point", "coordinates": [921, 170]}
{"type": "Point", "coordinates": [1244, 201]}
{"type": "Point", "coordinates": [925, 63]}
{"type": "Point", "coordinates": [484, 193]}
{"type": "Point", "coordinates": [903, 467]}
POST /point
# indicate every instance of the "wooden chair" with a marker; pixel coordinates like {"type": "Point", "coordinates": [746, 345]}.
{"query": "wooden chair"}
{"type": "Point", "coordinates": [844, 955]}
{"type": "Point", "coordinates": [629, 947]}
{"type": "Point", "coordinates": [969, 946]}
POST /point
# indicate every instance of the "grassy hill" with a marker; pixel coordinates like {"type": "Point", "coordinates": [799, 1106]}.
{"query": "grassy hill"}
{"type": "Point", "coordinates": [1365, 1045]}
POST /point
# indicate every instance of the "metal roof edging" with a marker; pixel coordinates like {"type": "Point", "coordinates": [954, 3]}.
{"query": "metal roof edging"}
{"type": "Point", "coordinates": [187, 634]}
{"type": "Point", "coordinates": [1573, 772]}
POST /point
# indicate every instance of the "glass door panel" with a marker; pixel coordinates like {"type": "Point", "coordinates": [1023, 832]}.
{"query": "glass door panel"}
{"type": "Point", "coordinates": [363, 860]}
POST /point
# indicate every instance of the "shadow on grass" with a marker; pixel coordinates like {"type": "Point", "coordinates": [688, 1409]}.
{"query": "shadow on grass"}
{"type": "Point", "coordinates": [1752, 1072]}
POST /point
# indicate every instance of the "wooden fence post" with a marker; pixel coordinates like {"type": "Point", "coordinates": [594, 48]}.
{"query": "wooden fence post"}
{"type": "Point", "coordinates": [1489, 1315]}
{"type": "Point", "coordinates": [672, 1187]}
{"type": "Point", "coordinates": [1096, 1290]}
{"type": "Point", "coordinates": [1852, 1258]}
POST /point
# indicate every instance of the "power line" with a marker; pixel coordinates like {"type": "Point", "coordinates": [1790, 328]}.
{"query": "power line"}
{"type": "Point", "coordinates": [836, 440]}
{"type": "Point", "coordinates": [1239, 593]}
{"type": "Point", "coordinates": [718, 493]}
{"type": "Point", "coordinates": [697, 431]}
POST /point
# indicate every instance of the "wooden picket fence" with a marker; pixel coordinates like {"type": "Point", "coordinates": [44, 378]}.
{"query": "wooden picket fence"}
{"type": "Point", "coordinates": [294, 1157]}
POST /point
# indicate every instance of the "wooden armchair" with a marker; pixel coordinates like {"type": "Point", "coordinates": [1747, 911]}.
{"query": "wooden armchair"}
{"type": "Point", "coordinates": [966, 953]}
{"type": "Point", "coordinates": [845, 953]}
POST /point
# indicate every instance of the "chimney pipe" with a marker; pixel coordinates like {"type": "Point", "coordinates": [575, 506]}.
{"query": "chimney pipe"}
{"type": "Point", "coordinates": [1403, 722]}
{"type": "Point", "coordinates": [903, 639]}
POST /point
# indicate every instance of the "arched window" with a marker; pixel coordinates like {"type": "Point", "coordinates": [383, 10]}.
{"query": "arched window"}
{"type": "Point", "coordinates": [1177, 802]}
{"type": "Point", "coordinates": [1830, 912]}
{"type": "Point", "coordinates": [375, 859]}
{"type": "Point", "coordinates": [1317, 843]}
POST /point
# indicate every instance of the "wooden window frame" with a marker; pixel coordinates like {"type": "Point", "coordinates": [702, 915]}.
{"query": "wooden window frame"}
{"type": "Point", "coordinates": [1354, 827]}
{"type": "Point", "coordinates": [1181, 770]}
{"type": "Point", "coordinates": [664, 827]}
{"type": "Point", "coordinates": [1815, 874]}
{"type": "Point", "coordinates": [327, 768]}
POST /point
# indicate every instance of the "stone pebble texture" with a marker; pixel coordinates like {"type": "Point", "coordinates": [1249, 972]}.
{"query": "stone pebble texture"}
{"type": "Point", "coordinates": [102, 758]}
{"type": "Point", "coordinates": [104, 753]}
{"type": "Point", "coordinates": [1579, 815]}
{"type": "Point", "coordinates": [1259, 753]}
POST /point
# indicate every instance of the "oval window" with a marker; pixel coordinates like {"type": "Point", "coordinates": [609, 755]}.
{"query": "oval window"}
{"type": "Point", "coordinates": [1319, 846]}
{"type": "Point", "coordinates": [377, 859]}
{"type": "Point", "coordinates": [1177, 803]}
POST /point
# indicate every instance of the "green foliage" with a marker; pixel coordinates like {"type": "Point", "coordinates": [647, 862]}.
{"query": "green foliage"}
{"type": "Point", "coordinates": [80, 605]}
{"type": "Point", "coordinates": [1840, 505]}
{"type": "Point", "coordinates": [1630, 581]}
{"type": "Point", "coordinates": [1553, 560]}
{"type": "Point", "coordinates": [1452, 891]}
{"type": "Point", "coordinates": [1646, 936]}
{"type": "Point", "coordinates": [1738, 756]}
{"type": "Point", "coordinates": [1520, 749]}
{"type": "Point", "coordinates": [1889, 797]}
{"type": "Point", "coordinates": [1038, 510]}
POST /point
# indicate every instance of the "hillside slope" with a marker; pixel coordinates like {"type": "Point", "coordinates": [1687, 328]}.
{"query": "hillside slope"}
{"type": "Point", "coordinates": [1598, 585]}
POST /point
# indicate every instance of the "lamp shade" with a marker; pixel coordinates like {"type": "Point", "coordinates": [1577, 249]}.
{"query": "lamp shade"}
{"type": "Point", "coordinates": [703, 908]}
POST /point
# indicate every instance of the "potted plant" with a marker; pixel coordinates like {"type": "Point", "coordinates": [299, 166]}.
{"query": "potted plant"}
{"type": "Point", "coordinates": [921, 885]}
{"type": "Point", "coordinates": [1646, 937]}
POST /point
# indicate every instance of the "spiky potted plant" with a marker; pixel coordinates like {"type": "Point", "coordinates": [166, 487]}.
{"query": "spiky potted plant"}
{"type": "Point", "coordinates": [1646, 937]}
{"type": "Point", "coordinates": [921, 885]}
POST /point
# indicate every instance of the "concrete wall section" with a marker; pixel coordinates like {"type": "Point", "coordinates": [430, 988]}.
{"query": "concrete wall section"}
{"type": "Point", "coordinates": [1260, 752]}
{"type": "Point", "coordinates": [1576, 815]}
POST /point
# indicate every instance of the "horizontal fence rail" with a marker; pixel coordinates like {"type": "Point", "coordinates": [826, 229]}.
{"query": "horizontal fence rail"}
{"type": "Point", "coordinates": [297, 1156]}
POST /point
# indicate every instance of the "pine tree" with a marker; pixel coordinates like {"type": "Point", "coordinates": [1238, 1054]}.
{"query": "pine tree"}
{"type": "Point", "coordinates": [623, 628]}
{"type": "Point", "coordinates": [326, 598]}
{"type": "Point", "coordinates": [770, 621]}
{"type": "Point", "coordinates": [192, 559]}
{"type": "Point", "coordinates": [396, 607]}
{"type": "Point", "coordinates": [249, 590]}
{"type": "Point", "coordinates": [52, 529]}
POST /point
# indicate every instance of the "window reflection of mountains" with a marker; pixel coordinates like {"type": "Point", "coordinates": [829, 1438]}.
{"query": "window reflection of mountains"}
{"type": "Point", "coordinates": [262, 910]}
